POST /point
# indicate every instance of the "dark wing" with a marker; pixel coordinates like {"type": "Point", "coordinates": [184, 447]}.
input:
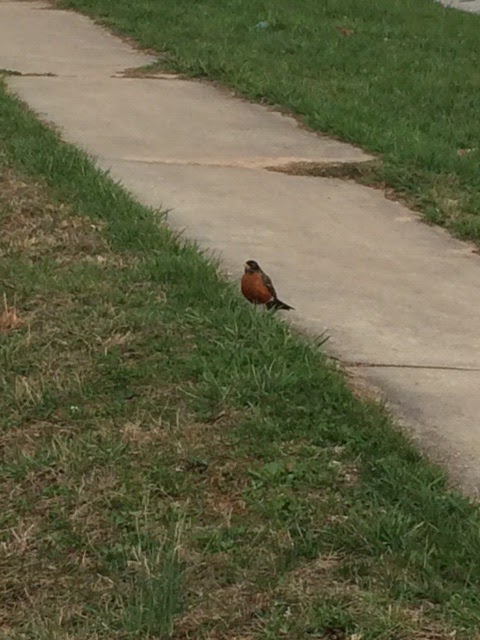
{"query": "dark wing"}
{"type": "Point", "coordinates": [269, 284]}
{"type": "Point", "coordinates": [278, 304]}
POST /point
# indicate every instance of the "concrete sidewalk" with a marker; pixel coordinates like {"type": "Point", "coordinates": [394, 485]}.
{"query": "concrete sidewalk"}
{"type": "Point", "coordinates": [398, 298]}
{"type": "Point", "coordinates": [472, 6]}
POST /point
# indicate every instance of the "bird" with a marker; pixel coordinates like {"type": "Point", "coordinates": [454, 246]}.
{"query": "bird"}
{"type": "Point", "coordinates": [258, 288]}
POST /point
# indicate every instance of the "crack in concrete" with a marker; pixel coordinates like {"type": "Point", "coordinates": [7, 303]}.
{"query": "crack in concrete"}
{"type": "Point", "coordinates": [25, 74]}
{"type": "Point", "coordinates": [387, 365]}
{"type": "Point", "coordinates": [287, 165]}
{"type": "Point", "coordinates": [139, 74]}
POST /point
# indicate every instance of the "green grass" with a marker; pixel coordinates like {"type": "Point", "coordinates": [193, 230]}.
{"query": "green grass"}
{"type": "Point", "coordinates": [175, 464]}
{"type": "Point", "coordinates": [403, 83]}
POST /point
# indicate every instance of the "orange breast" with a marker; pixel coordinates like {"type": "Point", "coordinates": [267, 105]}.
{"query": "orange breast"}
{"type": "Point", "coordinates": [253, 288]}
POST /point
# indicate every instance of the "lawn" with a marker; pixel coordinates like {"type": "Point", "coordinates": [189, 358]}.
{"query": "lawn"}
{"type": "Point", "coordinates": [399, 77]}
{"type": "Point", "coordinates": [176, 465]}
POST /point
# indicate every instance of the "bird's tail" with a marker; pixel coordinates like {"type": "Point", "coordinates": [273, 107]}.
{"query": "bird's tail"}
{"type": "Point", "coordinates": [278, 304]}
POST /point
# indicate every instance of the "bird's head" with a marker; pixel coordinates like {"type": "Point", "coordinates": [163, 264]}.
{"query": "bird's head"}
{"type": "Point", "coordinates": [252, 267]}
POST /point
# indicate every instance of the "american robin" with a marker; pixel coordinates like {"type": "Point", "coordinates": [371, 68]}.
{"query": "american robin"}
{"type": "Point", "coordinates": [258, 288]}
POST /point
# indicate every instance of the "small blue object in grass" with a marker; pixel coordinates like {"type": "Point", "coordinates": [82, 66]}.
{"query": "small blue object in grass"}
{"type": "Point", "coordinates": [262, 25]}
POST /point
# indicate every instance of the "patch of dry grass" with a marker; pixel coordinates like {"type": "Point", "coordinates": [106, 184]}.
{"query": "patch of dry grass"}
{"type": "Point", "coordinates": [9, 320]}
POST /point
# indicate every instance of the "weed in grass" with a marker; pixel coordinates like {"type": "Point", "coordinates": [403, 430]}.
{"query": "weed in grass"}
{"type": "Point", "coordinates": [152, 596]}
